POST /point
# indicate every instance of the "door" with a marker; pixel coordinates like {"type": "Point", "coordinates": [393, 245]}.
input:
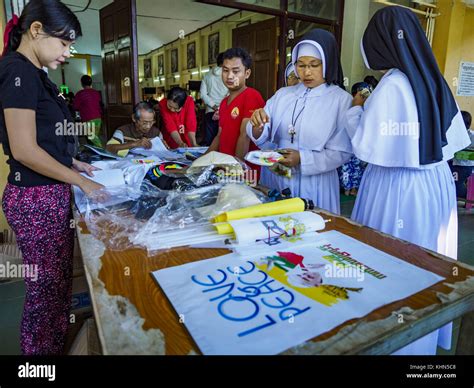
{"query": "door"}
{"type": "Point", "coordinates": [260, 40]}
{"type": "Point", "coordinates": [118, 30]}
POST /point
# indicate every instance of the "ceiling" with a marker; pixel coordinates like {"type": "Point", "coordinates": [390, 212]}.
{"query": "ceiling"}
{"type": "Point", "coordinates": [159, 21]}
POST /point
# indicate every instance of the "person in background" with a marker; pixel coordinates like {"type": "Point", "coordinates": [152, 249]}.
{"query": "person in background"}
{"type": "Point", "coordinates": [290, 76]}
{"type": "Point", "coordinates": [239, 105]}
{"type": "Point", "coordinates": [37, 198]}
{"type": "Point", "coordinates": [213, 92]}
{"type": "Point", "coordinates": [462, 169]}
{"type": "Point", "coordinates": [156, 107]}
{"type": "Point", "coordinates": [371, 80]}
{"type": "Point", "coordinates": [88, 102]}
{"type": "Point", "coordinates": [178, 117]}
{"type": "Point", "coordinates": [467, 118]}
{"type": "Point", "coordinates": [138, 133]}
{"type": "Point", "coordinates": [154, 103]}
{"type": "Point", "coordinates": [70, 102]}
{"type": "Point", "coordinates": [350, 173]}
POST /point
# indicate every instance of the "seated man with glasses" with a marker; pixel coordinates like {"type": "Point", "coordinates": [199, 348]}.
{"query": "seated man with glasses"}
{"type": "Point", "coordinates": [139, 133]}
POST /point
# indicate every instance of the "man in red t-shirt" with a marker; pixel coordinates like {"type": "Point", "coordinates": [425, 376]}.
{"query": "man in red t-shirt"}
{"type": "Point", "coordinates": [88, 102]}
{"type": "Point", "coordinates": [238, 106]}
{"type": "Point", "coordinates": [178, 117]}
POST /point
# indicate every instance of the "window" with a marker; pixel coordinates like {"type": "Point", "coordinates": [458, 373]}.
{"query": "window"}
{"type": "Point", "coordinates": [324, 9]}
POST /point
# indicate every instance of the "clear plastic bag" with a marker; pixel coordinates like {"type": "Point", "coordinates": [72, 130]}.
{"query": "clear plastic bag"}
{"type": "Point", "coordinates": [115, 215]}
{"type": "Point", "coordinates": [157, 219]}
{"type": "Point", "coordinates": [185, 220]}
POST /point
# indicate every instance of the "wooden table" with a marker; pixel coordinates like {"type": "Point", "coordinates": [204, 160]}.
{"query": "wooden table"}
{"type": "Point", "coordinates": [383, 331]}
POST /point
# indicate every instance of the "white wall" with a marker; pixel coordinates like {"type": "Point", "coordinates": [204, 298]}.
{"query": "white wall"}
{"type": "Point", "coordinates": [97, 76]}
{"type": "Point", "coordinates": [170, 17]}
{"type": "Point", "coordinates": [75, 69]}
{"type": "Point", "coordinates": [89, 42]}
{"type": "Point", "coordinates": [357, 14]}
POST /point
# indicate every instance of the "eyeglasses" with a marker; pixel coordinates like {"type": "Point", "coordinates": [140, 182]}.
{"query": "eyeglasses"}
{"type": "Point", "coordinates": [146, 123]}
{"type": "Point", "coordinates": [312, 67]}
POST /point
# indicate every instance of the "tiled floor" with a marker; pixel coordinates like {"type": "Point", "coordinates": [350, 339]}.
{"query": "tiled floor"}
{"type": "Point", "coordinates": [12, 294]}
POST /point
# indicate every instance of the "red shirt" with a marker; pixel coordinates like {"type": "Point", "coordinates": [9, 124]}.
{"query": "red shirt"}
{"type": "Point", "coordinates": [231, 116]}
{"type": "Point", "coordinates": [87, 103]}
{"type": "Point", "coordinates": [183, 121]}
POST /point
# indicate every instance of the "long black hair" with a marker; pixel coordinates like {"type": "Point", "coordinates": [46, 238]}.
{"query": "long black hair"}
{"type": "Point", "coordinates": [57, 20]}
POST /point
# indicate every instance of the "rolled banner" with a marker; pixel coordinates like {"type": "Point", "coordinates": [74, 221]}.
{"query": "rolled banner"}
{"type": "Point", "coordinates": [292, 205]}
{"type": "Point", "coordinates": [250, 230]}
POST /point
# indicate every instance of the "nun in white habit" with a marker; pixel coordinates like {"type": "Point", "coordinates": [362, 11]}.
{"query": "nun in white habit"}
{"type": "Point", "coordinates": [406, 131]}
{"type": "Point", "coordinates": [290, 75]}
{"type": "Point", "coordinates": [306, 121]}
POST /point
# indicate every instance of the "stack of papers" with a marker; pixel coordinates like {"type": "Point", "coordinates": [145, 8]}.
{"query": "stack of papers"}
{"type": "Point", "coordinates": [156, 146]}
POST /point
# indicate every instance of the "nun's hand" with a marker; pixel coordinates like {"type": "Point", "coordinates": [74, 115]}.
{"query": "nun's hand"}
{"type": "Point", "coordinates": [259, 118]}
{"type": "Point", "coordinates": [358, 100]}
{"type": "Point", "coordinates": [291, 157]}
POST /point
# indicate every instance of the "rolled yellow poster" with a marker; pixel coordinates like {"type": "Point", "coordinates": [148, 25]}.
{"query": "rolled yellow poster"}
{"type": "Point", "coordinates": [291, 205]}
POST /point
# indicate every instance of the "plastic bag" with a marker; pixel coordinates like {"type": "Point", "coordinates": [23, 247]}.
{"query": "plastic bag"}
{"type": "Point", "coordinates": [115, 215]}
{"type": "Point", "coordinates": [133, 170]}
{"type": "Point", "coordinates": [157, 219]}
{"type": "Point", "coordinates": [185, 219]}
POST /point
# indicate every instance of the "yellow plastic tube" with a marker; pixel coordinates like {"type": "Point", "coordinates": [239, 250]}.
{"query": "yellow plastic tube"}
{"type": "Point", "coordinates": [291, 205]}
{"type": "Point", "coordinates": [224, 228]}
